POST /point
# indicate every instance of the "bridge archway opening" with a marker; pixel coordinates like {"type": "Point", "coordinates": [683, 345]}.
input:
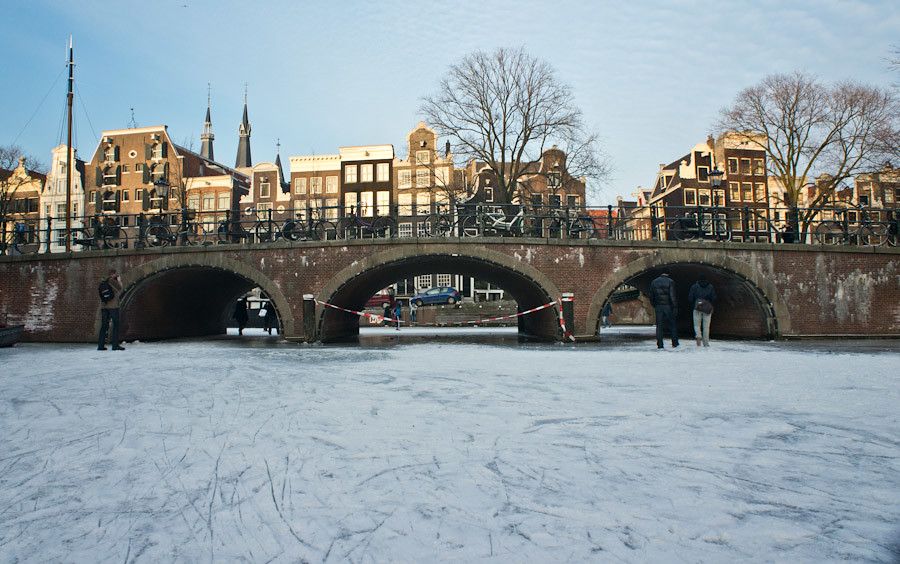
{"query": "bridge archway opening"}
{"type": "Point", "coordinates": [353, 293]}
{"type": "Point", "coordinates": [185, 301]}
{"type": "Point", "coordinates": [742, 311]}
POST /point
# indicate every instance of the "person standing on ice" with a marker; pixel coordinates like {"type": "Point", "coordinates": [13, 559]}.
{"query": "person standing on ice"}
{"type": "Point", "coordinates": [398, 311]}
{"type": "Point", "coordinates": [270, 320]}
{"type": "Point", "coordinates": [605, 313]}
{"type": "Point", "coordinates": [701, 296]}
{"type": "Point", "coordinates": [665, 305]}
{"type": "Point", "coordinates": [109, 289]}
{"type": "Point", "coordinates": [240, 314]}
{"type": "Point", "coordinates": [413, 308]}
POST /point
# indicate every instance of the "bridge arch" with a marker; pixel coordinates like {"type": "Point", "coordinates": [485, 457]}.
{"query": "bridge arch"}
{"type": "Point", "coordinates": [750, 306]}
{"type": "Point", "coordinates": [190, 294]}
{"type": "Point", "coordinates": [354, 284]}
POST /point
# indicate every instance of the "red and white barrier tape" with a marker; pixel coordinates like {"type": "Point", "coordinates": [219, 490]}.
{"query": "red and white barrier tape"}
{"type": "Point", "coordinates": [562, 322]}
{"type": "Point", "coordinates": [519, 314]}
{"type": "Point", "coordinates": [375, 316]}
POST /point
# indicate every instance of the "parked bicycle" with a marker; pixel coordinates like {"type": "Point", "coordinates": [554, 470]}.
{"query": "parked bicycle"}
{"type": "Point", "coordinates": [493, 220]}
{"type": "Point", "coordinates": [315, 229]}
{"type": "Point", "coordinates": [352, 226]}
{"type": "Point", "coordinates": [864, 231]}
{"type": "Point", "coordinates": [18, 238]}
{"type": "Point", "coordinates": [261, 230]}
{"type": "Point", "coordinates": [701, 225]}
{"type": "Point", "coordinates": [104, 233]}
{"type": "Point", "coordinates": [561, 223]}
{"type": "Point", "coordinates": [160, 234]}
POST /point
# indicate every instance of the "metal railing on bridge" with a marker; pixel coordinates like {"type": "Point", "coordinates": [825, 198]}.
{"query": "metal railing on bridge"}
{"type": "Point", "coordinates": [839, 225]}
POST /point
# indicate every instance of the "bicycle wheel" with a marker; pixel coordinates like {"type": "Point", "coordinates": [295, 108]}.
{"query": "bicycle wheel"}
{"type": "Point", "coordinates": [158, 236]}
{"type": "Point", "coordinates": [468, 226]}
{"type": "Point", "coordinates": [581, 228]}
{"type": "Point", "coordinates": [114, 237]}
{"type": "Point", "coordinates": [874, 235]}
{"type": "Point", "coordinates": [26, 243]}
{"type": "Point", "coordinates": [438, 225]}
{"type": "Point", "coordinates": [829, 233]}
{"type": "Point", "coordinates": [292, 230]}
{"type": "Point", "coordinates": [325, 231]}
{"type": "Point", "coordinates": [384, 227]}
{"type": "Point", "coordinates": [192, 234]}
{"type": "Point", "coordinates": [348, 229]}
{"type": "Point", "coordinates": [267, 232]}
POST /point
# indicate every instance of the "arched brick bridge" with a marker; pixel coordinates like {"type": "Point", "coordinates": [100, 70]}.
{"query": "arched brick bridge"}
{"type": "Point", "coordinates": [765, 291]}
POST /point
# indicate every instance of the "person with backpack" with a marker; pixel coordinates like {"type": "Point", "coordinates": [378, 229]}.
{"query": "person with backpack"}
{"type": "Point", "coordinates": [665, 305]}
{"type": "Point", "coordinates": [109, 289]}
{"type": "Point", "coordinates": [701, 297]}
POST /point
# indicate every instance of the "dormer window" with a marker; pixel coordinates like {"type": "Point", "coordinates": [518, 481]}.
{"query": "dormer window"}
{"type": "Point", "coordinates": [554, 180]}
{"type": "Point", "coordinates": [264, 188]}
{"type": "Point", "coordinates": [703, 173]}
{"type": "Point", "coordinates": [157, 151]}
{"type": "Point", "coordinates": [111, 154]}
{"type": "Point", "coordinates": [422, 157]}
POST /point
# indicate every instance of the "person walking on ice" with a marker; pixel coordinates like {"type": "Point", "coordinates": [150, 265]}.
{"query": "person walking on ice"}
{"type": "Point", "coordinates": [701, 296]}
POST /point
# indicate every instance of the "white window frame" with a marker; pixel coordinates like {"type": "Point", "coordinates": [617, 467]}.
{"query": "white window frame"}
{"type": "Point", "coordinates": [383, 202]}
{"type": "Point", "coordinates": [265, 189]}
{"type": "Point", "coordinates": [367, 203]}
{"type": "Point", "coordinates": [423, 203]}
{"type": "Point", "coordinates": [421, 229]}
{"type": "Point", "coordinates": [331, 184]}
{"type": "Point", "coordinates": [405, 229]}
{"type": "Point", "coordinates": [383, 172]}
{"type": "Point", "coordinates": [300, 186]}
{"type": "Point", "coordinates": [350, 200]}
{"type": "Point", "coordinates": [331, 205]}
{"type": "Point", "coordinates": [423, 157]}
{"type": "Point", "coordinates": [405, 178]}
{"type": "Point", "coordinates": [444, 280]}
{"type": "Point", "coordinates": [405, 205]}
{"type": "Point", "coordinates": [734, 190]}
{"type": "Point", "coordinates": [315, 185]}
{"type": "Point", "coordinates": [366, 172]}
{"type": "Point", "coordinates": [692, 192]}
{"type": "Point", "coordinates": [350, 174]}
{"type": "Point", "coordinates": [223, 201]}
{"type": "Point", "coordinates": [422, 282]}
{"type": "Point", "coordinates": [733, 166]}
{"type": "Point", "coordinates": [263, 207]}
{"type": "Point", "coordinates": [489, 194]}
{"type": "Point", "coordinates": [423, 178]}
{"type": "Point", "coordinates": [209, 202]}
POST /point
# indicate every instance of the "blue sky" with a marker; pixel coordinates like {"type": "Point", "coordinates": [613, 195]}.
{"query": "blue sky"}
{"type": "Point", "coordinates": [650, 76]}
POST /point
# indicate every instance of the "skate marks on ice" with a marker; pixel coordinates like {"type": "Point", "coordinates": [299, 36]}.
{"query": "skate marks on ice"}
{"type": "Point", "coordinates": [202, 452]}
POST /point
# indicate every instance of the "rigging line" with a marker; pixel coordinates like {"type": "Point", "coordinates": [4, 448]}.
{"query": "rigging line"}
{"type": "Point", "coordinates": [44, 99]}
{"type": "Point", "coordinates": [62, 122]}
{"type": "Point", "coordinates": [84, 109]}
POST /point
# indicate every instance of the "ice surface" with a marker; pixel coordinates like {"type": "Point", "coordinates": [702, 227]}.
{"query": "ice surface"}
{"type": "Point", "coordinates": [218, 451]}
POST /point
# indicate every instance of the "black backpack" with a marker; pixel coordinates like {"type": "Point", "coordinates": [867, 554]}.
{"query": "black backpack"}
{"type": "Point", "coordinates": [106, 291]}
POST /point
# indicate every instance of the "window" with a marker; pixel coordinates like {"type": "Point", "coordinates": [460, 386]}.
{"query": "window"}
{"type": "Point", "coordinates": [690, 197]}
{"type": "Point", "coordinates": [209, 202]}
{"type": "Point", "coordinates": [735, 190]}
{"type": "Point", "coordinates": [139, 195]}
{"type": "Point", "coordinates": [423, 203]}
{"type": "Point", "coordinates": [759, 168]}
{"type": "Point", "coordinates": [423, 178]}
{"type": "Point", "coordinates": [422, 157]}
{"type": "Point", "coordinates": [350, 200]}
{"type": "Point", "coordinates": [365, 173]}
{"type": "Point", "coordinates": [383, 172]}
{"type": "Point", "coordinates": [718, 197]}
{"type": "Point", "coordinates": [442, 176]}
{"type": "Point", "coordinates": [572, 201]}
{"type": "Point", "coordinates": [489, 194]}
{"type": "Point", "coordinates": [139, 167]}
{"type": "Point", "coordinates": [732, 166]}
{"type": "Point", "coordinates": [864, 199]}
{"type": "Point", "coordinates": [405, 179]}
{"type": "Point", "coordinates": [760, 191]}
{"type": "Point", "coordinates": [421, 229]}
{"type": "Point", "coordinates": [383, 201]}
{"type": "Point", "coordinates": [157, 151]}
{"type": "Point", "coordinates": [746, 192]}
{"type": "Point", "coordinates": [332, 205]}
{"type": "Point", "coordinates": [423, 281]}
{"type": "Point", "coordinates": [703, 173]}
{"type": "Point", "coordinates": [109, 176]}
{"type": "Point", "coordinates": [745, 166]}
{"type": "Point", "coordinates": [350, 174]}
{"type": "Point", "coordinates": [299, 186]}
{"type": "Point", "coordinates": [124, 168]}
{"type": "Point", "coordinates": [156, 200]}
{"type": "Point", "coordinates": [888, 196]}
{"type": "Point", "coordinates": [315, 185]}
{"type": "Point", "coordinates": [366, 200]}
{"type": "Point", "coordinates": [537, 200]}
{"type": "Point", "coordinates": [264, 191]}
{"type": "Point", "coordinates": [262, 208]}
{"type": "Point", "coordinates": [703, 196]}
{"type": "Point", "coordinates": [404, 229]}
{"type": "Point", "coordinates": [193, 201]}
{"type": "Point", "coordinates": [443, 279]}
{"type": "Point", "coordinates": [109, 155]}
{"type": "Point", "coordinates": [224, 201]}
{"type": "Point", "coordinates": [552, 200]}
{"type": "Point", "coordinates": [405, 203]}
{"type": "Point", "coordinates": [331, 185]}
{"type": "Point", "coordinates": [124, 195]}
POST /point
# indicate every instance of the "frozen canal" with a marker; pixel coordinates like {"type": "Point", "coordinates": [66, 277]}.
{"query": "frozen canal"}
{"type": "Point", "coordinates": [226, 450]}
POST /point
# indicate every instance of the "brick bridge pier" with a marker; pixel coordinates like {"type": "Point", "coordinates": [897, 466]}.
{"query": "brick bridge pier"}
{"type": "Point", "coordinates": [764, 291]}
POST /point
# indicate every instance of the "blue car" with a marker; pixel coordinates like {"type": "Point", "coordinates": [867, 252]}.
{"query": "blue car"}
{"type": "Point", "coordinates": [440, 295]}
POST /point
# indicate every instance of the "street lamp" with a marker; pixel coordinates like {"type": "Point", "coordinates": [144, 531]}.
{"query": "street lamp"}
{"type": "Point", "coordinates": [715, 180]}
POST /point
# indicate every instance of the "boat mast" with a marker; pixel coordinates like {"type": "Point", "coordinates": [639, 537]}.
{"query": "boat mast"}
{"type": "Point", "coordinates": [69, 97]}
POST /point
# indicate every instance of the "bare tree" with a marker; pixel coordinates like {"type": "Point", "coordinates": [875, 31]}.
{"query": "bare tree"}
{"type": "Point", "coordinates": [504, 108]}
{"type": "Point", "coordinates": [815, 132]}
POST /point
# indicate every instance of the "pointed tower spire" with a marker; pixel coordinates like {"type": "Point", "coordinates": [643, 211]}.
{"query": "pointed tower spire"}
{"type": "Point", "coordinates": [206, 138]}
{"type": "Point", "coordinates": [285, 186]}
{"type": "Point", "coordinates": [243, 159]}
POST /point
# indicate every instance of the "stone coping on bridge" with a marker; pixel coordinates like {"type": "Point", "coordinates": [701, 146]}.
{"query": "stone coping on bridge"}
{"type": "Point", "coordinates": [423, 241]}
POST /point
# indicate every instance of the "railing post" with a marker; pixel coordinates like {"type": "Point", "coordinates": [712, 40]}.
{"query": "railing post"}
{"type": "Point", "coordinates": [49, 232]}
{"type": "Point", "coordinates": [745, 221]}
{"type": "Point", "coordinates": [609, 220]}
{"type": "Point", "coordinates": [309, 317]}
{"type": "Point", "coordinates": [142, 232]}
{"type": "Point", "coordinates": [654, 228]}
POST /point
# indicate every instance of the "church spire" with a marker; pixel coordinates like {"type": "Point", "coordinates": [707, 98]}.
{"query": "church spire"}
{"type": "Point", "coordinates": [243, 159]}
{"type": "Point", "coordinates": [206, 138]}
{"type": "Point", "coordinates": [285, 186]}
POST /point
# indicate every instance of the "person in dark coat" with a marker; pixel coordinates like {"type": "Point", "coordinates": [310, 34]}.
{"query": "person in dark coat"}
{"type": "Point", "coordinates": [605, 313]}
{"type": "Point", "coordinates": [702, 296]}
{"type": "Point", "coordinates": [109, 314]}
{"type": "Point", "coordinates": [398, 312]}
{"type": "Point", "coordinates": [240, 314]}
{"type": "Point", "coordinates": [270, 320]}
{"type": "Point", "coordinates": [665, 305]}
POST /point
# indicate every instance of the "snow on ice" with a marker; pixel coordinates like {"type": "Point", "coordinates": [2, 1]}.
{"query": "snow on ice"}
{"type": "Point", "coordinates": [222, 451]}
